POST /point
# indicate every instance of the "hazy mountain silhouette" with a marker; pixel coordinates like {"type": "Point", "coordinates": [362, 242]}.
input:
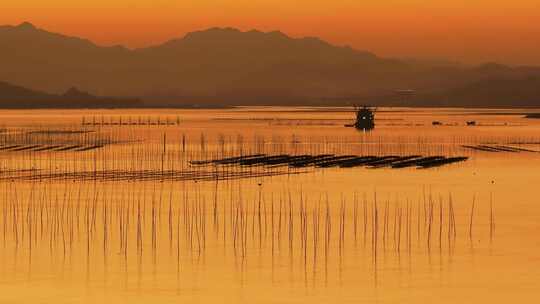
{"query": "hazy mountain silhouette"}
{"type": "Point", "coordinates": [233, 67]}
{"type": "Point", "coordinates": [12, 96]}
{"type": "Point", "coordinates": [520, 91]}
{"type": "Point", "coordinates": [16, 93]}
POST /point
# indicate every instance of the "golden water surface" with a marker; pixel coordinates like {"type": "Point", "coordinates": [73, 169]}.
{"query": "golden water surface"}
{"type": "Point", "coordinates": [133, 221]}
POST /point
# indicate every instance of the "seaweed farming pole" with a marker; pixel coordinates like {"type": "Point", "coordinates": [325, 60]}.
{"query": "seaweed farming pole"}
{"type": "Point", "coordinates": [163, 153]}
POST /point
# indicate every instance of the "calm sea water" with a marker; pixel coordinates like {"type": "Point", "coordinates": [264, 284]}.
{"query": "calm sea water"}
{"type": "Point", "coordinates": [462, 233]}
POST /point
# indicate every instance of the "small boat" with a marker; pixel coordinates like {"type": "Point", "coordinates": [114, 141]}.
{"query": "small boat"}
{"type": "Point", "coordinates": [365, 119]}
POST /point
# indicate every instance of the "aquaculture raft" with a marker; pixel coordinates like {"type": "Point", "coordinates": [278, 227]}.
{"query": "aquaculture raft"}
{"type": "Point", "coordinates": [498, 148]}
{"type": "Point", "coordinates": [49, 148]}
{"type": "Point", "coordinates": [331, 160]}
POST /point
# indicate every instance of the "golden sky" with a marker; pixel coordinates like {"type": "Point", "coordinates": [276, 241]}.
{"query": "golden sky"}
{"type": "Point", "coordinates": [470, 31]}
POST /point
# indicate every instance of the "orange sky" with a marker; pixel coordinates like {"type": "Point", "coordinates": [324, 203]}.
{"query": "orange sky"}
{"type": "Point", "coordinates": [470, 31]}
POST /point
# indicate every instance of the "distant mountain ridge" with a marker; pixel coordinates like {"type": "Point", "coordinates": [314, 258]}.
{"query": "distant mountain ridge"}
{"type": "Point", "coordinates": [228, 66]}
{"type": "Point", "coordinates": [12, 96]}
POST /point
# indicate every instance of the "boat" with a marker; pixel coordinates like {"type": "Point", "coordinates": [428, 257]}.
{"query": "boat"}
{"type": "Point", "coordinates": [365, 118]}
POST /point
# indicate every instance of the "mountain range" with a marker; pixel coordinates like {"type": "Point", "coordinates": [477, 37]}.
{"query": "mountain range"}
{"type": "Point", "coordinates": [231, 67]}
{"type": "Point", "coordinates": [16, 97]}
